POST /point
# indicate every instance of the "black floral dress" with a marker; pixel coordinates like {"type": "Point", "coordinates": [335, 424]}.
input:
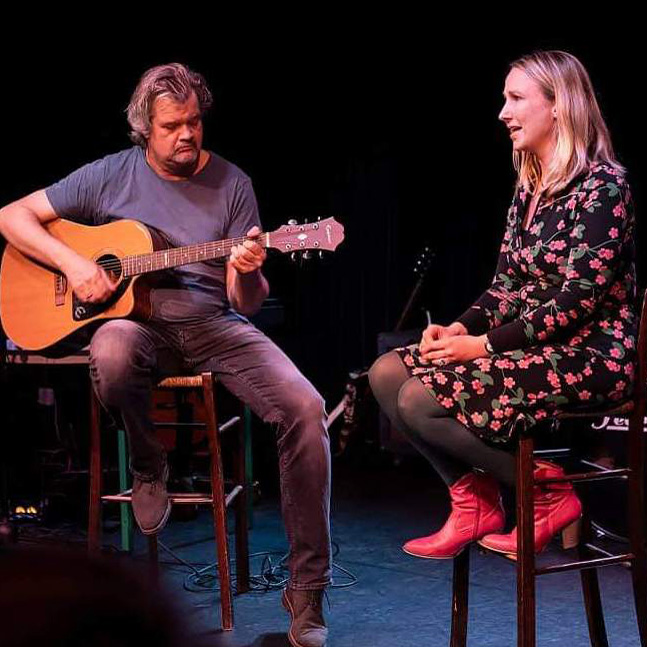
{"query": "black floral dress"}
{"type": "Point", "coordinates": [560, 314]}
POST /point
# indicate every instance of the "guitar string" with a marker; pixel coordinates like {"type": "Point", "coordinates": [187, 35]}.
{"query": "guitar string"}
{"type": "Point", "coordinates": [226, 245]}
{"type": "Point", "coordinates": [117, 265]}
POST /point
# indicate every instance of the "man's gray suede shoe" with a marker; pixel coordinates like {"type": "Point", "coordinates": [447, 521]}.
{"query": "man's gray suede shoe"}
{"type": "Point", "coordinates": [151, 505]}
{"type": "Point", "coordinates": [308, 627]}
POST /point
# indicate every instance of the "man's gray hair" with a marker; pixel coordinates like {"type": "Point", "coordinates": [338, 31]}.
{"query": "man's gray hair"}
{"type": "Point", "coordinates": [175, 81]}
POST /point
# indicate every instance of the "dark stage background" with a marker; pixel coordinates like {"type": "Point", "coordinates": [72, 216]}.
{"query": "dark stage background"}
{"type": "Point", "coordinates": [401, 144]}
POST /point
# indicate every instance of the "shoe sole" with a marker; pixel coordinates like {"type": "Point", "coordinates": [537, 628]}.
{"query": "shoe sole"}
{"type": "Point", "coordinates": [288, 607]}
{"type": "Point", "coordinates": [432, 556]}
{"type": "Point", "coordinates": [160, 525]}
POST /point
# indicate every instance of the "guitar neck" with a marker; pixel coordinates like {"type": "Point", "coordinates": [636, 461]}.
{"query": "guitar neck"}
{"type": "Point", "coordinates": [175, 256]}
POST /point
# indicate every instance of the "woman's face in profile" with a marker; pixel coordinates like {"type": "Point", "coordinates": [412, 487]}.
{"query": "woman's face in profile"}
{"type": "Point", "coordinates": [528, 115]}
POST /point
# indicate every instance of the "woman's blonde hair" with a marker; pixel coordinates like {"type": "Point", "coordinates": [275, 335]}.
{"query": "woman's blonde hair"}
{"type": "Point", "coordinates": [582, 136]}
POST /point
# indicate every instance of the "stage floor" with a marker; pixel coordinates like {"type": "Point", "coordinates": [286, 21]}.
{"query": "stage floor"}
{"type": "Point", "coordinates": [398, 600]}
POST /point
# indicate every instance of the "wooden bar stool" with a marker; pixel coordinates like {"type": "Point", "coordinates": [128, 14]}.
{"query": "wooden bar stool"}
{"type": "Point", "coordinates": [205, 384]}
{"type": "Point", "coordinates": [590, 556]}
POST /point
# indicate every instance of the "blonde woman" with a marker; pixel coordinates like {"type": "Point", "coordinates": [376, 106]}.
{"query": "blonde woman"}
{"type": "Point", "coordinates": [555, 330]}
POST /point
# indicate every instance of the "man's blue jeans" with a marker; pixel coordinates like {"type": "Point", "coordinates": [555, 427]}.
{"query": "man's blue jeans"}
{"type": "Point", "coordinates": [127, 357]}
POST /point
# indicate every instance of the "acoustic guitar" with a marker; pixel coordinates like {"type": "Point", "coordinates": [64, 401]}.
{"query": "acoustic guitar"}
{"type": "Point", "coordinates": [39, 309]}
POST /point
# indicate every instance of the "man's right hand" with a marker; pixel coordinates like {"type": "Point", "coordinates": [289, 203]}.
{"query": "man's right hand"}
{"type": "Point", "coordinates": [88, 280]}
{"type": "Point", "coordinates": [433, 332]}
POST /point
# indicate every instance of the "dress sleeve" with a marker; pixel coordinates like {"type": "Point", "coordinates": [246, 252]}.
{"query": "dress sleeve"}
{"type": "Point", "coordinates": [500, 302]}
{"type": "Point", "coordinates": [601, 239]}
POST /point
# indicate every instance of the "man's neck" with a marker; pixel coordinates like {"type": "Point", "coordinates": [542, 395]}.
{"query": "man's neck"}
{"type": "Point", "coordinates": [175, 175]}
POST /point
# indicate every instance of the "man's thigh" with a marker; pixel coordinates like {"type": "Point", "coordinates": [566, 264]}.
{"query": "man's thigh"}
{"type": "Point", "coordinates": [254, 369]}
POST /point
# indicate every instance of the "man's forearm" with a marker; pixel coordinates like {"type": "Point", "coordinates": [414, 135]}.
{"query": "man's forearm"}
{"type": "Point", "coordinates": [22, 228]}
{"type": "Point", "coordinates": [248, 291]}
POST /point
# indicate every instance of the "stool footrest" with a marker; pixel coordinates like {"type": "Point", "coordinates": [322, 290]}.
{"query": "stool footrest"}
{"type": "Point", "coordinates": [600, 475]}
{"type": "Point", "coordinates": [177, 498]}
{"type": "Point", "coordinates": [587, 563]}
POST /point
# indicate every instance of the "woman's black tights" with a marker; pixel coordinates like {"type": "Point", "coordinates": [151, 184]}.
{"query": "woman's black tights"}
{"type": "Point", "coordinates": [449, 446]}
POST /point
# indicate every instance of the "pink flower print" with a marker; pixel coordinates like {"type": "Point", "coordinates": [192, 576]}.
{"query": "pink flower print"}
{"type": "Point", "coordinates": [477, 418]}
{"type": "Point", "coordinates": [612, 366]}
{"type": "Point", "coordinates": [557, 244]}
{"type": "Point", "coordinates": [618, 334]}
{"type": "Point", "coordinates": [550, 257]}
{"type": "Point", "coordinates": [541, 414]}
{"type": "Point", "coordinates": [613, 232]}
{"type": "Point", "coordinates": [585, 395]}
{"type": "Point", "coordinates": [571, 204]}
{"type": "Point", "coordinates": [441, 378]}
{"type": "Point", "coordinates": [496, 425]}
{"type": "Point", "coordinates": [629, 370]}
{"type": "Point", "coordinates": [627, 342]}
{"type": "Point", "coordinates": [562, 319]}
{"type": "Point", "coordinates": [461, 418]}
{"type": "Point", "coordinates": [425, 379]}
{"type": "Point", "coordinates": [497, 413]}
{"type": "Point", "coordinates": [508, 411]}
{"type": "Point", "coordinates": [477, 385]}
{"type": "Point", "coordinates": [621, 385]}
{"type": "Point", "coordinates": [549, 320]}
{"type": "Point", "coordinates": [460, 369]}
{"type": "Point", "coordinates": [619, 210]}
{"type": "Point", "coordinates": [600, 280]}
{"type": "Point", "coordinates": [570, 378]}
{"type": "Point", "coordinates": [448, 403]}
{"type": "Point", "coordinates": [501, 363]}
{"type": "Point", "coordinates": [504, 399]}
{"type": "Point", "coordinates": [605, 253]}
{"type": "Point", "coordinates": [604, 324]}
{"type": "Point", "coordinates": [588, 371]}
{"type": "Point", "coordinates": [457, 386]}
{"type": "Point", "coordinates": [618, 324]}
{"type": "Point", "coordinates": [553, 378]}
{"type": "Point", "coordinates": [595, 264]}
{"type": "Point", "coordinates": [508, 382]}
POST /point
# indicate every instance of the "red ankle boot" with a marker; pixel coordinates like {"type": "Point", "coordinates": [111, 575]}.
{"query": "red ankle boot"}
{"type": "Point", "coordinates": [476, 511]}
{"type": "Point", "coordinates": [557, 508]}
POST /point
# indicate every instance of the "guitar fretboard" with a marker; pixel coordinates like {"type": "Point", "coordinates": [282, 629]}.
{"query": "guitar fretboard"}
{"type": "Point", "coordinates": [176, 256]}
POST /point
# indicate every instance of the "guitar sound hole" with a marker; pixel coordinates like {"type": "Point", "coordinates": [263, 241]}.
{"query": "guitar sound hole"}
{"type": "Point", "coordinates": [82, 310]}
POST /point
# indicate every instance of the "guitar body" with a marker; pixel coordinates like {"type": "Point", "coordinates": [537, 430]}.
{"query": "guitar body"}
{"type": "Point", "coordinates": [37, 306]}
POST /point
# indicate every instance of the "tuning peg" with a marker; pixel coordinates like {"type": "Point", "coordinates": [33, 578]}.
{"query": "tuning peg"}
{"type": "Point", "coordinates": [321, 254]}
{"type": "Point", "coordinates": [292, 222]}
{"type": "Point", "coordinates": [293, 257]}
{"type": "Point", "coordinates": [306, 255]}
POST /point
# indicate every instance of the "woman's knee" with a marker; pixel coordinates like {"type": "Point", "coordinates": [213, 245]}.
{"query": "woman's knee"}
{"type": "Point", "coordinates": [416, 403]}
{"type": "Point", "coordinates": [388, 371]}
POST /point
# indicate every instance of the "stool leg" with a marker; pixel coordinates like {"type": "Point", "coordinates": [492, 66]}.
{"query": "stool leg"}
{"type": "Point", "coordinates": [125, 510]}
{"type": "Point", "coordinates": [94, 513]}
{"type": "Point", "coordinates": [460, 595]}
{"type": "Point", "coordinates": [218, 494]}
{"type": "Point", "coordinates": [525, 545]}
{"type": "Point", "coordinates": [591, 593]}
{"type": "Point", "coordinates": [240, 478]}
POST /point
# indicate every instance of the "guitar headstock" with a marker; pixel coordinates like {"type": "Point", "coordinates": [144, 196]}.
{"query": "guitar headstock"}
{"type": "Point", "coordinates": [320, 235]}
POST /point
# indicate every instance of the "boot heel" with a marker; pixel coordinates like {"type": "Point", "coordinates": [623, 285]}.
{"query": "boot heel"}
{"type": "Point", "coordinates": [571, 534]}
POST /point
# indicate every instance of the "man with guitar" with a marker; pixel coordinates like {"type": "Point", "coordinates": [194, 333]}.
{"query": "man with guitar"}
{"type": "Point", "coordinates": [187, 194]}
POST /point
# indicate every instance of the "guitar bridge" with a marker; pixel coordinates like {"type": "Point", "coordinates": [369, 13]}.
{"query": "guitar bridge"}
{"type": "Point", "coordinates": [60, 288]}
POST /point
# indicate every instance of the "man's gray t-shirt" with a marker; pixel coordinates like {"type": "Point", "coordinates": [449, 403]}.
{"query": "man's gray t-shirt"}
{"type": "Point", "coordinates": [216, 203]}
